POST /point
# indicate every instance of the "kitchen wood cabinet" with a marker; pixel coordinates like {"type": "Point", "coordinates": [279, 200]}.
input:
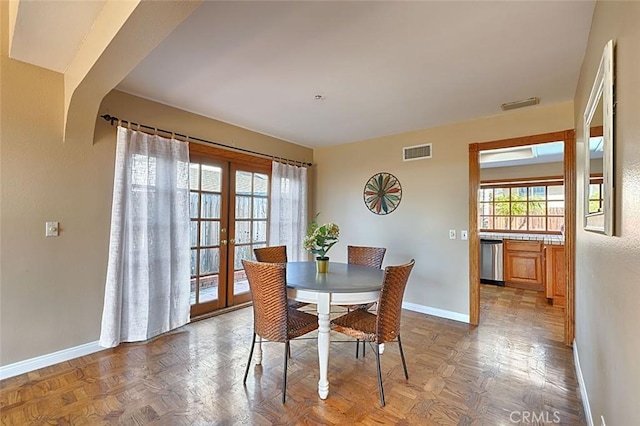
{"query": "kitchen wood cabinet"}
{"type": "Point", "coordinates": [555, 285]}
{"type": "Point", "coordinates": [524, 264]}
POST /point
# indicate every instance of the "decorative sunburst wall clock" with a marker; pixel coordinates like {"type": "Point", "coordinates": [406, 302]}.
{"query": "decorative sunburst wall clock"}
{"type": "Point", "coordinates": [382, 193]}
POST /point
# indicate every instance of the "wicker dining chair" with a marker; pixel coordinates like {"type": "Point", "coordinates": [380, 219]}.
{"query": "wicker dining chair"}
{"type": "Point", "coordinates": [276, 254]}
{"type": "Point", "coordinates": [384, 326]}
{"type": "Point", "coordinates": [365, 256]}
{"type": "Point", "coordinates": [272, 254]}
{"type": "Point", "coordinates": [273, 319]}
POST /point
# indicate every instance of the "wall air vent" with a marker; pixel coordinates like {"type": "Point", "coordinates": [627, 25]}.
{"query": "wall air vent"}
{"type": "Point", "coordinates": [520, 104]}
{"type": "Point", "coordinates": [418, 152]}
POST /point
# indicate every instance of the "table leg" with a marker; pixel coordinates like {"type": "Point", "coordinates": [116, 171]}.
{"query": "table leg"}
{"type": "Point", "coordinates": [323, 343]}
{"type": "Point", "coordinates": [258, 357]}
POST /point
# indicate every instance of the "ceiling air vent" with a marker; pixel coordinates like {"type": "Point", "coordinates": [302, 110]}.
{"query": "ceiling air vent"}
{"type": "Point", "coordinates": [418, 152]}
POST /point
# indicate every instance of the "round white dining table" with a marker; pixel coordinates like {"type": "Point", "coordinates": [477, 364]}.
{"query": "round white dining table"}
{"type": "Point", "coordinates": [344, 284]}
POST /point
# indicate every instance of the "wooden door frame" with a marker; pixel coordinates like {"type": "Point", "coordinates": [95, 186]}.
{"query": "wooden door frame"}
{"type": "Point", "coordinates": [209, 153]}
{"type": "Point", "coordinates": [568, 136]}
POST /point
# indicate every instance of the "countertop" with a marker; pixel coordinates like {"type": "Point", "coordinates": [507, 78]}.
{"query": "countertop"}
{"type": "Point", "coordinates": [552, 239]}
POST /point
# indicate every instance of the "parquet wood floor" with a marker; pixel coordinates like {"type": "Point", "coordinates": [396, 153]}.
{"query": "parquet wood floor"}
{"type": "Point", "coordinates": [513, 369]}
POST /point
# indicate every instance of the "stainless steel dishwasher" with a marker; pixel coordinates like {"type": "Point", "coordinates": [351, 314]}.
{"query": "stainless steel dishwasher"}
{"type": "Point", "coordinates": [491, 271]}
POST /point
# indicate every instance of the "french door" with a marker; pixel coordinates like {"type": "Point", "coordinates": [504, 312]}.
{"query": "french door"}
{"type": "Point", "coordinates": [229, 205]}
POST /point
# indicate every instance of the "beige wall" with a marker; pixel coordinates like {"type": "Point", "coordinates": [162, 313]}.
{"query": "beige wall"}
{"type": "Point", "coordinates": [52, 289]}
{"type": "Point", "coordinates": [607, 268]}
{"type": "Point", "coordinates": [435, 198]}
{"type": "Point", "coordinates": [132, 108]}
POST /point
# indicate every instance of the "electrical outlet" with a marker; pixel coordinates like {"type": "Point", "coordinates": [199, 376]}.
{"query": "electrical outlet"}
{"type": "Point", "coordinates": [452, 234]}
{"type": "Point", "coordinates": [463, 235]}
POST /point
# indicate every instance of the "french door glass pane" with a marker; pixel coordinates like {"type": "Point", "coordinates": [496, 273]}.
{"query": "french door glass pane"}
{"type": "Point", "coordinates": [240, 282]}
{"type": "Point", "coordinates": [193, 205]}
{"type": "Point", "coordinates": [243, 232]}
{"type": "Point", "coordinates": [194, 234]}
{"type": "Point", "coordinates": [205, 210]}
{"type": "Point", "coordinates": [243, 182]}
{"type": "Point", "coordinates": [251, 212]}
{"type": "Point", "coordinates": [260, 208]}
{"type": "Point", "coordinates": [210, 233]}
{"type": "Point", "coordinates": [194, 262]}
{"type": "Point", "coordinates": [194, 283]}
{"type": "Point", "coordinates": [210, 206]}
{"type": "Point", "coordinates": [209, 261]}
{"type": "Point", "coordinates": [208, 288]}
{"type": "Point", "coordinates": [243, 207]}
{"type": "Point", "coordinates": [211, 178]}
{"type": "Point", "coordinates": [260, 184]}
{"type": "Point", "coordinates": [241, 252]}
{"type": "Point", "coordinates": [248, 213]}
{"type": "Point", "coordinates": [259, 231]}
{"type": "Point", "coordinates": [194, 176]}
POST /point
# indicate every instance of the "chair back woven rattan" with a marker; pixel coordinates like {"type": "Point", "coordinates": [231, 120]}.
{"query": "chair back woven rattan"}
{"type": "Point", "coordinates": [384, 326]}
{"type": "Point", "coordinates": [267, 282]}
{"type": "Point", "coordinates": [366, 256]}
{"type": "Point", "coordinates": [273, 254]}
{"type": "Point", "coordinates": [390, 301]}
{"type": "Point", "coordinates": [276, 254]}
{"type": "Point", "coordinates": [273, 317]}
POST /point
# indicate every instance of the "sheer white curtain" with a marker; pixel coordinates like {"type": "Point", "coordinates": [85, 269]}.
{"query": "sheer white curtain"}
{"type": "Point", "coordinates": [289, 209]}
{"type": "Point", "coordinates": [148, 274]}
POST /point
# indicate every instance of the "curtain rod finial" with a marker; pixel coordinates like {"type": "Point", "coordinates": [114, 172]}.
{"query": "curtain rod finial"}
{"type": "Point", "coordinates": [109, 118]}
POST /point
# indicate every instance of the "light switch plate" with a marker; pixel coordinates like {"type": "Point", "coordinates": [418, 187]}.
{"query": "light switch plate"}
{"type": "Point", "coordinates": [452, 234]}
{"type": "Point", "coordinates": [463, 235]}
{"type": "Point", "coordinates": [51, 229]}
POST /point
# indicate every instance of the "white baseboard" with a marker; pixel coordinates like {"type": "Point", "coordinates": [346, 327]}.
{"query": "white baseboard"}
{"type": "Point", "coordinates": [32, 364]}
{"type": "Point", "coordinates": [456, 316]}
{"type": "Point", "coordinates": [583, 388]}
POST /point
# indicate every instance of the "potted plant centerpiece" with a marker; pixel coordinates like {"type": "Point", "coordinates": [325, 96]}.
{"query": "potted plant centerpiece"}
{"type": "Point", "coordinates": [319, 240]}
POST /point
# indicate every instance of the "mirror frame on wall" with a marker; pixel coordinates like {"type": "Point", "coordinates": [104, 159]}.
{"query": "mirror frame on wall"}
{"type": "Point", "coordinates": [601, 221]}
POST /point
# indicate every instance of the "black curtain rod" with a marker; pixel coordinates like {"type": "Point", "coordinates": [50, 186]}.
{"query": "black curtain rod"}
{"type": "Point", "coordinates": [113, 119]}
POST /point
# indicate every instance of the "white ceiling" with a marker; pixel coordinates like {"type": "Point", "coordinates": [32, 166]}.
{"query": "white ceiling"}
{"type": "Point", "coordinates": [49, 33]}
{"type": "Point", "coordinates": [383, 67]}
